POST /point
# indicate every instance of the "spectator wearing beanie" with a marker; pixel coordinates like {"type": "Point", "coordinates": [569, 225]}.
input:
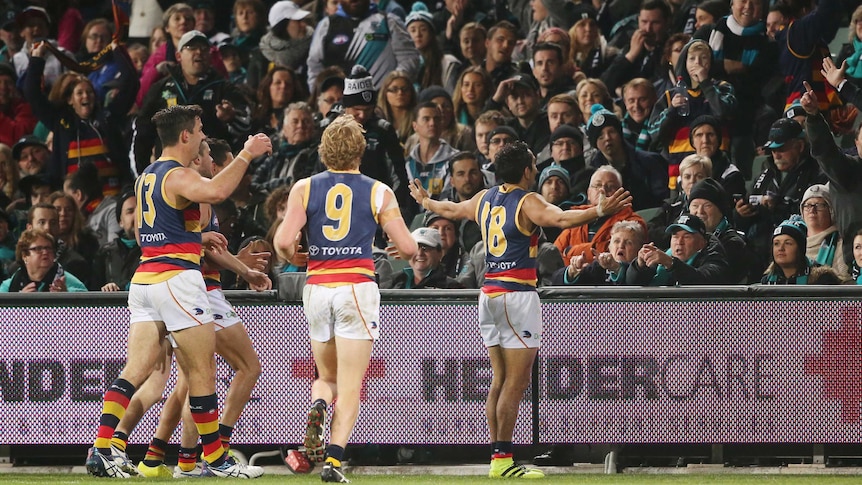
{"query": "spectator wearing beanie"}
{"type": "Point", "coordinates": [567, 151]}
{"type": "Point", "coordinates": [824, 244]}
{"type": "Point", "coordinates": [706, 137]}
{"type": "Point", "coordinates": [711, 203]}
{"type": "Point", "coordinates": [644, 173]}
{"type": "Point", "coordinates": [383, 159]}
{"type": "Point", "coordinates": [435, 67]}
{"type": "Point", "coordinates": [790, 265]}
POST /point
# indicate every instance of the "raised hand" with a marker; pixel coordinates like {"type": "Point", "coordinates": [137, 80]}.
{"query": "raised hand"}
{"type": "Point", "coordinates": [257, 145]}
{"type": "Point", "coordinates": [418, 192]}
{"type": "Point", "coordinates": [833, 75]}
{"type": "Point", "coordinates": [257, 281]}
{"type": "Point", "coordinates": [615, 203]}
{"type": "Point", "coordinates": [214, 241]}
{"type": "Point", "coordinates": [809, 100]}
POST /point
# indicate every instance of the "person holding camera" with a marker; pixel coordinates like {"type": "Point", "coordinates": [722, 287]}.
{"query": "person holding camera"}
{"type": "Point", "coordinates": [778, 190]}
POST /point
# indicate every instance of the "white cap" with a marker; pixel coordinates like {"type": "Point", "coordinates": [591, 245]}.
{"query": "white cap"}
{"type": "Point", "coordinates": [286, 10]}
{"type": "Point", "coordinates": [428, 236]}
{"type": "Point", "coordinates": [190, 36]}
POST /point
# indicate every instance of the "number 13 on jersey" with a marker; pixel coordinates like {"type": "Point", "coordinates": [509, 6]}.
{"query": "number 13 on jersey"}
{"type": "Point", "coordinates": [146, 211]}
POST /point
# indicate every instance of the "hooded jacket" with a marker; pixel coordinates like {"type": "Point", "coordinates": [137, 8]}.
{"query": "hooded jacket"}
{"type": "Point", "coordinates": [669, 130]}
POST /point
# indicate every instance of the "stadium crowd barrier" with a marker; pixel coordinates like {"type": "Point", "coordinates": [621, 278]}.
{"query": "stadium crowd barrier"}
{"type": "Point", "coordinates": [617, 365]}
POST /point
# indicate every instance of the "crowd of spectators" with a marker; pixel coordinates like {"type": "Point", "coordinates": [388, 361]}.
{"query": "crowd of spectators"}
{"type": "Point", "coordinates": [730, 122]}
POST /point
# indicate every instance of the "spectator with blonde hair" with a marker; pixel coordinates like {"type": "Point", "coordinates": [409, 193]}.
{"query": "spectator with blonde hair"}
{"type": "Point", "coordinates": [396, 99]}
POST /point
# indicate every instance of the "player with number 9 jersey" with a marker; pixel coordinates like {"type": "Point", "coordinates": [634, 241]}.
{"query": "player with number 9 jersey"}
{"type": "Point", "coordinates": [339, 250]}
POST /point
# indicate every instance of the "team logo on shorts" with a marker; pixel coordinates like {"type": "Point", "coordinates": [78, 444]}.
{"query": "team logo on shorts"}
{"type": "Point", "coordinates": [373, 325]}
{"type": "Point", "coordinates": [526, 334]}
{"type": "Point", "coordinates": [199, 311]}
{"type": "Point", "coordinates": [216, 316]}
{"type": "Point", "coordinates": [313, 250]}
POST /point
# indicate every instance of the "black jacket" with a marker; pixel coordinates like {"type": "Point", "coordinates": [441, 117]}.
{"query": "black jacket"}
{"type": "Point", "coordinates": [115, 263]}
{"type": "Point", "coordinates": [709, 267]}
{"type": "Point", "coordinates": [209, 92]}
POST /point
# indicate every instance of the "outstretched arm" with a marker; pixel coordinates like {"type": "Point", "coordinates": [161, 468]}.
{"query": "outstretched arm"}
{"type": "Point", "coordinates": [544, 214]}
{"type": "Point", "coordinates": [448, 209]}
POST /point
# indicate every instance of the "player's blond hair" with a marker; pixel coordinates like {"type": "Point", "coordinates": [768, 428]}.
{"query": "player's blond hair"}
{"type": "Point", "coordinates": [342, 144]}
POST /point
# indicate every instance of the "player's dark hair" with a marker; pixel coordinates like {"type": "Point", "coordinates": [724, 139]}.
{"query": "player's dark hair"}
{"type": "Point", "coordinates": [170, 122]}
{"type": "Point", "coordinates": [511, 161]}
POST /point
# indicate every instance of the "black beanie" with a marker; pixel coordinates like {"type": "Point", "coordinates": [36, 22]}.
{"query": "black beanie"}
{"type": "Point", "coordinates": [711, 190]}
{"type": "Point", "coordinates": [704, 120]}
{"type": "Point", "coordinates": [359, 88]}
{"type": "Point", "coordinates": [432, 92]}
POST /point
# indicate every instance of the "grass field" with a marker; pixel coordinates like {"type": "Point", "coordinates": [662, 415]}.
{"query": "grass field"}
{"type": "Point", "coordinates": [580, 479]}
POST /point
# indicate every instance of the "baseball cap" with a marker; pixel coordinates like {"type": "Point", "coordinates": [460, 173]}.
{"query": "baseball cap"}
{"type": "Point", "coordinates": [782, 131]}
{"type": "Point", "coordinates": [688, 223]}
{"type": "Point", "coordinates": [190, 37]}
{"type": "Point", "coordinates": [24, 142]}
{"type": "Point", "coordinates": [286, 10]}
{"type": "Point", "coordinates": [428, 236]}
{"type": "Point", "coordinates": [7, 18]}
{"type": "Point", "coordinates": [31, 12]}
{"type": "Point", "coordinates": [526, 81]}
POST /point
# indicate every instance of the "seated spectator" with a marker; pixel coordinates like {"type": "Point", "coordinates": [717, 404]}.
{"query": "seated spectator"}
{"type": "Point", "coordinates": [38, 271]}
{"type": "Point", "coordinates": [699, 94]}
{"type": "Point", "coordinates": [279, 88]}
{"type": "Point", "coordinates": [694, 258]}
{"type": "Point", "coordinates": [639, 97]}
{"type": "Point", "coordinates": [397, 100]}
{"type": "Point", "coordinates": [789, 265]}
{"type": "Point", "coordinates": [644, 174]}
{"type": "Point", "coordinates": [31, 154]}
{"type": "Point", "coordinates": [435, 67]}
{"type": "Point", "coordinates": [44, 216]}
{"type": "Point", "coordinates": [555, 187]}
{"type": "Point", "coordinates": [33, 23]}
{"type": "Point", "coordinates": [8, 178]}
{"type": "Point", "coordinates": [285, 44]}
{"type": "Point", "coordinates": [250, 18]}
{"type": "Point", "coordinates": [627, 237]}
{"type": "Point", "coordinates": [826, 275]}
{"type": "Point", "coordinates": [116, 261]}
{"type": "Point", "coordinates": [589, 50]}
{"type": "Point", "coordinates": [99, 211]}
{"type": "Point", "coordinates": [428, 160]}
{"type": "Point", "coordinates": [567, 151]}
{"type": "Point", "coordinates": [327, 92]}
{"type": "Point", "coordinates": [232, 60]}
{"type": "Point", "coordinates": [856, 265]}
{"type": "Point", "coordinates": [177, 19]}
{"type": "Point", "coordinates": [590, 92]}
{"type": "Point", "coordinates": [7, 244]}
{"type": "Point", "coordinates": [824, 244]}
{"type": "Point", "coordinates": [596, 236]}
{"type": "Point", "coordinates": [485, 123]}
{"type": "Point", "coordinates": [72, 231]}
{"type": "Point", "coordinates": [706, 138]}
{"type": "Point", "coordinates": [497, 139]}
{"type": "Point", "coordinates": [549, 73]}
{"type": "Point", "coordinates": [711, 203]}
{"type": "Point", "coordinates": [292, 151]}
{"type": "Point", "coordinates": [425, 270]}
{"type": "Point", "coordinates": [692, 170]}
{"type": "Point", "coordinates": [205, 20]}
{"type": "Point", "coordinates": [471, 39]}
{"type": "Point", "coordinates": [466, 179]}
{"type": "Point", "coordinates": [470, 94]}
{"type": "Point", "coordinates": [778, 190]}
{"type": "Point", "coordinates": [666, 78]}
{"type": "Point", "coordinates": [454, 255]}
{"type": "Point", "coordinates": [456, 134]}
{"type": "Point", "coordinates": [16, 118]}
{"type": "Point", "coordinates": [520, 95]}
